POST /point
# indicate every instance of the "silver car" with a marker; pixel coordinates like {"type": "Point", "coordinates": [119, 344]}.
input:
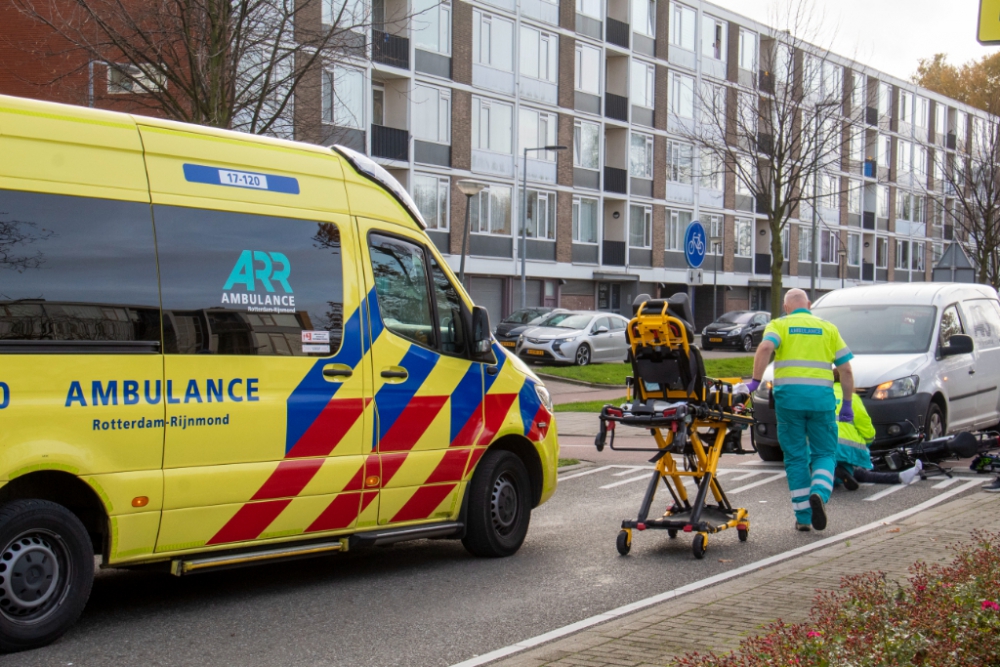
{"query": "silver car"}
{"type": "Point", "coordinates": [578, 337]}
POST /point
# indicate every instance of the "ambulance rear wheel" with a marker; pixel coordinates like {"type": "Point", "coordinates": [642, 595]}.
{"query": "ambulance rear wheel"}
{"type": "Point", "coordinates": [623, 543]}
{"type": "Point", "coordinates": [499, 506]}
{"type": "Point", "coordinates": [699, 546]}
{"type": "Point", "coordinates": [46, 571]}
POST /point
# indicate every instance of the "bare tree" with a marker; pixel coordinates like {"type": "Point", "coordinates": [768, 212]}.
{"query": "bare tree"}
{"type": "Point", "coordinates": [781, 130]}
{"type": "Point", "coordinates": [224, 63]}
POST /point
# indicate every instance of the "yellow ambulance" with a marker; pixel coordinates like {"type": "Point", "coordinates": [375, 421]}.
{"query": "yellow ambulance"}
{"type": "Point", "coordinates": [219, 349]}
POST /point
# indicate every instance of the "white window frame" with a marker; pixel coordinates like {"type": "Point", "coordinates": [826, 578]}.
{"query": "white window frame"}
{"type": "Point", "coordinates": [578, 126]}
{"type": "Point", "coordinates": [854, 196]}
{"type": "Point", "coordinates": [748, 51]}
{"type": "Point", "coordinates": [644, 17]}
{"type": "Point", "coordinates": [542, 119]}
{"type": "Point", "coordinates": [859, 95]}
{"type": "Point", "coordinates": [677, 222]}
{"type": "Point", "coordinates": [582, 70]}
{"type": "Point", "coordinates": [917, 256]}
{"type": "Point", "coordinates": [478, 223]}
{"type": "Point", "coordinates": [539, 228]}
{"type": "Point", "coordinates": [647, 225]}
{"type": "Point", "coordinates": [922, 112]}
{"type": "Point", "coordinates": [884, 98]}
{"type": "Point", "coordinates": [882, 201]}
{"type": "Point", "coordinates": [642, 76]}
{"type": "Point", "coordinates": [711, 171]}
{"type": "Point", "coordinates": [905, 108]}
{"type": "Point", "coordinates": [547, 44]}
{"type": "Point", "coordinates": [882, 258]}
{"type": "Point", "coordinates": [485, 45]}
{"type": "Point", "coordinates": [940, 121]}
{"type": "Point", "coordinates": [902, 262]}
{"type": "Point", "coordinates": [479, 104]}
{"type": "Point", "coordinates": [714, 37]}
{"type": "Point", "coordinates": [129, 79]}
{"type": "Point", "coordinates": [442, 134]}
{"type": "Point", "coordinates": [683, 26]}
{"type": "Point", "coordinates": [356, 16]}
{"type": "Point", "coordinates": [805, 243]}
{"type": "Point", "coordinates": [577, 205]}
{"type": "Point", "coordinates": [714, 226]}
{"type": "Point", "coordinates": [591, 8]}
{"type": "Point", "coordinates": [744, 238]}
{"type": "Point", "coordinates": [854, 249]}
{"type": "Point", "coordinates": [680, 90]}
{"type": "Point", "coordinates": [646, 140]}
{"type": "Point", "coordinates": [442, 201]}
{"type": "Point", "coordinates": [430, 17]}
{"type": "Point", "coordinates": [333, 105]}
{"type": "Point", "coordinates": [680, 162]}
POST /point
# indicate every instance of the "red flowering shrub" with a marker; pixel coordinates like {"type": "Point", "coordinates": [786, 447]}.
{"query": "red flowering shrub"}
{"type": "Point", "coordinates": [944, 616]}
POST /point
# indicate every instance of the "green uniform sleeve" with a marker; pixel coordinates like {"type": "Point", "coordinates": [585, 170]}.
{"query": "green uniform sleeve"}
{"type": "Point", "coordinates": [771, 334]}
{"type": "Point", "coordinates": [842, 353]}
{"type": "Point", "coordinates": [862, 422]}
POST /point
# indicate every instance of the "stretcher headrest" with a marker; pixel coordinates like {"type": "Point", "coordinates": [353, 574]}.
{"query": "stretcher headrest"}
{"type": "Point", "coordinates": [678, 305]}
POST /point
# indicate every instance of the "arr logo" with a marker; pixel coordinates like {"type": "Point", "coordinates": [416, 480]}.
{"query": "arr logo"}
{"type": "Point", "coordinates": [267, 271]}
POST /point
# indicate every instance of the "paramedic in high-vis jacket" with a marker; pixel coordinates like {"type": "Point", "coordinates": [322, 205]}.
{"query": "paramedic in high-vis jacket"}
{"type": "Point", "coordinates": [805, 350]}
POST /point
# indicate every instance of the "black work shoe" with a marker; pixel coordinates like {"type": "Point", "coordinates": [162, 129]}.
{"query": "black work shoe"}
{"type": "Point", "coordinates": [819, 513]}
{"type": "Point", "coordinates": [994, 487]}
{"type": "Point", "coordinates": [846, 478]}
{"type": "Point", "coordinates": [802, 527]}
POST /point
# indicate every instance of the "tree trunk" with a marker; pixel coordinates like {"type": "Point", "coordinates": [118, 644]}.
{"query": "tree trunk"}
{"type": "Point", "coordinates": [777, 259]}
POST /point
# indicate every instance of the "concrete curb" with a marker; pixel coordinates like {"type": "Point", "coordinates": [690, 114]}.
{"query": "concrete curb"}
{"type": "Point", "coordinates": [582, 383]}
{"type": "Point", "coordinates": [575, 466]}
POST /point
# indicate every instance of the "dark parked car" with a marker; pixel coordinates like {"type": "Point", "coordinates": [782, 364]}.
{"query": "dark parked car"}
{"type": "Point", "coordinates": [740, 329]}
{"type": "Point", "coordinates": [514, 324]}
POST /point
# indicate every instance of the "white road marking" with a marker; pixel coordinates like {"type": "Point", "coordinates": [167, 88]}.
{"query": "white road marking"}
{"type": "Point", "coordinates": [752, 485]}
{"type": "Point", "coordinates": [627, 481]}
{"type": "Point", "coordinates": [585, 472]}
{"type": "Point", "coordinates": [748, 475]}
{"type": "Point", "coordinates": [882, 494]}
{"type": "Point", "coordinates": [949, 481]}
{"type": "Point", "coordinates": [631, 469]}
{"type": "Point", "coordinates": [704, 583]}
{"type": "Point", "coordinates": [758, 462]}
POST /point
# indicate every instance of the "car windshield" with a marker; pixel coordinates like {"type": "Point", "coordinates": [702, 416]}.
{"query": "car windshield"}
{"type": "Point", "coordinates": [736, 317]}
{"type": "Point", "coordinates": [882, 329]}
{"type": "Point", "coordinates": [572, 322]}
{"type": "Point", "coordinates": [520, 317]}
{"type": "Point", "coordinates": [553, 320]}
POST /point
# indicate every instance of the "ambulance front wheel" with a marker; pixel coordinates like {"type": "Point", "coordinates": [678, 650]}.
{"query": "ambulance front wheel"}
{"type": "Point", "coordinates": [46, 571]}
{"type": "Point", "coordinates": [499, 506]}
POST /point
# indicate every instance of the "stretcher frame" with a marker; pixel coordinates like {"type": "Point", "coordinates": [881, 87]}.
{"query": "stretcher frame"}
{"type": "Point", "coordinates": [676, 431]}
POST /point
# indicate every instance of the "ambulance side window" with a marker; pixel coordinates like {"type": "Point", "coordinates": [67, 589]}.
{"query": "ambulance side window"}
{"type": "Point", "coordinates": [400, 270]}
{"type": "Point", "coordinates": [451, 320]}
{"type": "Point", "coordinates": [241, 284]}
{"type": "Point", "coordinates": [75, 273]}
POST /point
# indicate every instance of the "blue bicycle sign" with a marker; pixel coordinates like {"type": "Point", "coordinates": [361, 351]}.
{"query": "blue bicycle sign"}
{"type": "Point", "coordinates": [695, 244]}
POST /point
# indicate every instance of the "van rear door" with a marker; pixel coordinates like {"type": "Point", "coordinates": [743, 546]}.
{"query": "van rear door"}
{"type": "Point", "coordinates": [983, 316]}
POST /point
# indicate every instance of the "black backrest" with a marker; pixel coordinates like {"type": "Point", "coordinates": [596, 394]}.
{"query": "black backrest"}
{"type": "Point", "coordinates": [678, 305]}
{"type": "Point", "coordinates": [670, 370]}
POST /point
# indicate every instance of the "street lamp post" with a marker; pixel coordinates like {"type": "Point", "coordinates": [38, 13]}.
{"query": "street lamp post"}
{"type": "Point", "coordinates": [470, 189]}
{"type": "Point", "coordinates": [842, 253]}
{"type": "Point", "coordinates": [715, 240]}
{"type": "Point", "coordinates": [524, 219]}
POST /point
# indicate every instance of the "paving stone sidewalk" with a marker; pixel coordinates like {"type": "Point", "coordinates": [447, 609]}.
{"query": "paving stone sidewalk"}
{"type": "Point", "coordinates": [719, 616]}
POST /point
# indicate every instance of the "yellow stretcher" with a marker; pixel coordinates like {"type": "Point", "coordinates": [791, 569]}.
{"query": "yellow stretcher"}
{"type": "Point", "coordinates": [694, 420]}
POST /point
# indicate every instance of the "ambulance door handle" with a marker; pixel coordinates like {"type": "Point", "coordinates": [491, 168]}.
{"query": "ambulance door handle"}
{"type": "Point", "coordinates": [395, 373]}
{"type": "Point", "coordinates": [337, 371]}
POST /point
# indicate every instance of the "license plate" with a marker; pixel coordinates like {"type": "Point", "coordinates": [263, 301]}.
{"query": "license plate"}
{"type": "Point", "coordinates": [537, 353]}
{"type": "Point", "coordinates": [714, 340]}
{"type": "Point", "coordinates": [507, 343]}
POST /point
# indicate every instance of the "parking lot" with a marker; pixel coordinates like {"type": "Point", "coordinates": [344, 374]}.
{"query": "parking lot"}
{"type": "Point", "coordinates": [430, 603]}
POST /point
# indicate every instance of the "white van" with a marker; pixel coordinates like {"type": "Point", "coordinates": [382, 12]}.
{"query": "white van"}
{"type": "Point", "coordinates": [926, 356]}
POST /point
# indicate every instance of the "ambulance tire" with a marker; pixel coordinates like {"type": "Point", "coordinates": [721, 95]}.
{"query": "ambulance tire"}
{"type": "Point", "coordinates": [499, 506]}
{"type": "Point", "coordinates": [770, 453]}
{"type": "Point", "coordinates": [45, 544]}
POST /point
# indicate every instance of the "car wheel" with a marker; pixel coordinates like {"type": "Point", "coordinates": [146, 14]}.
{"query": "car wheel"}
{"type": "Point", "coordinates": [46, 571]}
{"type": "Point", "coordinates": [934, 426]}
{"type": "Point", "coordinates": [582, 355]}
{"type": "Point", "coordinates": [770, 453]}
{"type": "Point", "coordinates": [706, 348]}
{"type": "Point", "coordinates": [499, 506]}
{"type": "Point", "coordinates": [748, 343]}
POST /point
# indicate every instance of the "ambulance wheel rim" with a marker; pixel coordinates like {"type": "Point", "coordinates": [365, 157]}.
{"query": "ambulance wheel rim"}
{"type": "Point", "coordinates": [504, 504]}
{"type": "Point", "coordinates": [31, 575]}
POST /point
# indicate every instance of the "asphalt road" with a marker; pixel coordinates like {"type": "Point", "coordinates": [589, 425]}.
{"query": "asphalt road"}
{"type": "Point", "coordinates": [429, 602]}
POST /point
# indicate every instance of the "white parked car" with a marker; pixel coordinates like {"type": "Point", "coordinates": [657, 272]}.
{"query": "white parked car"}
{"type": "Point", "coordinates": [577, 337]}
{"type": "Point", "coordinates": [926, 356]}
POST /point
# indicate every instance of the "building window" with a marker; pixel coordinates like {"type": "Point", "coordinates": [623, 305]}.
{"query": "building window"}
{"type": "Point", "coordinates": [882, 197]}
{"type": "Point", "coordinates": [903, 209]}
{"type": "Point", "coordinates": [786, 241]}
{"type": "Point", "coordinates": [748, 50]}
{"type": "Point", "coordinates": [713, 225]}
{"type": "Point", "coordinates": [922, 113]}
{"type": "Point", "coordinates": [640, 226]}
{"type": "Point", "coordinates": [937, 251]}
{"type": "Point", "coordinates": [833, 80]}
{"type": "Point", "coordinates": [679, 158]}
{"type": "Point", "coordinates": [492, 126]}
{"type": "Point", "coordinates": [856, 148]}
{"type": "Point", "coordinates": [746, 110]}
{"type": "Point", "coordinates": [904, 157]}
{"type": "Point", "coordinates": [584, 220]}
{"type": "Point", "coordinates": [829, 191]}
{"type": "Point", "coordinates": [431, 195]}
{"type": "Point", "coordinates": [344, 97]}
{"type": "Point", "coordinates": [677, 222]}
{"type": "Point", "coordinates": [586, 145]}
{"type": "Point", "coordinates": [883, 149]}
{"type": "Point", "coordinates": [902, 254]}
{"type": "Point", "coordinates": [810, 75]}
{"type": "Point", "coordinates": [588, 69]}
{"type": "Point", "coordinates": [432, 25]}
{"type": "Point", "coordinates": [712, 105]}
{"type": "Point", "coordinates": [746, 175]}
{"type": "Point", "coordinates": [783, 64]}
{"type": "Point", "coordinates": [591, 8]}
{"type": "Point", "coordinates": [643, 75]}
{"type": "Point", "coordinates": [859, 95]}
{"type": "Point", "coordinates": [881, 252]}
{"type": "Point", "coordinates": [681, 94]}
{"type": "Point", "coordinates": [432, 114]}
{"type": "Point", "coordinates": [641, 156]}
{"type": "Point", "coordinates": [940, 120]}
{"type": "Point", "coordinates": [713, 38]}
{"type": "Point", "coordinates": [711, 170]}
{"type": "Point", "coordinates": [490, 211]}
{"type": "Point", "coordinates": [805, 243]}
{"type": "Point", "coordinates": [920, 160]}
{"type": "Point", "coordinates": [493, 41]}
{"type": "Point", "coordinates": [539, 54]}
{"type": "Point", "coordinates": [346, 13]}
{"type": "Point", "coordinates": [917, 255]}
{"type": "Point", "coordinates": [541, 215]}
{"type": "Point", "coordinates": [124, 79]}
{"type": "Point", "coordinates": [644, 17]}
{"type": "Point", "coordinates": [854, 197]}
{"type": "Point", "coordinates": [536, 129]}
{"type": "Point", "coordinates": [682, 26]}
{"type": "Point", "coordinates": [854, 249]}
{"type": "Point", "coordinates": [905, 107]}
{"type": "Point", "coordinates": [919, 209]}
{"type": "Point", "coordinates": [829, 243]}
{"type": "Point", "coordinates": [961, 128]}
{"type": "Point", "coordinates": [744, 237]}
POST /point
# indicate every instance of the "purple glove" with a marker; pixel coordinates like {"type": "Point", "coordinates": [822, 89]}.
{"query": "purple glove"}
{"type": "Point", "coordinates": [846, 413]}
{"type": "Point", "coordinates": [752, 385]}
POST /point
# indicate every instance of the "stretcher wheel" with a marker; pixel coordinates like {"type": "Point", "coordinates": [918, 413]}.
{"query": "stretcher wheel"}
{"type": "Point", "coordinates": [623, 543]}
{"type": "Point", "coordinates": [743, 533]}
{"type": "Point", "coordinates": [671, 533]}
{"type": "Point", "coordinates": [699, 546]}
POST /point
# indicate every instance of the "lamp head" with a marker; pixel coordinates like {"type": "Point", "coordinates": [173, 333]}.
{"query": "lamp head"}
{"type": "Point", "coordinates": [470, 188]}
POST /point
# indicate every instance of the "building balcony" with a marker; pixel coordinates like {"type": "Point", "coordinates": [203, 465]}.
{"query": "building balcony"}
{"type": "Point", "coordinates": [613, 253]}
{"type": "Point", "coordinates": [616, 107]}
{"type": "Point", "coordinates": [615, 180]}
{"type": "Point", "coordinates": [617, 32]}
{"type": "Point", "coordinates": [390, 49]}
{"type": "Point", "coordinates": [390, 143]}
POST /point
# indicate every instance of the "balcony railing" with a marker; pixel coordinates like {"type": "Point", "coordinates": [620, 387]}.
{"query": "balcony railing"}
{"type": "Point", "coordinates": [615, 180]}
{"type": "Point", "coordinates": [871, 116]}
{"type": "Point", "coordinates": [390, 143]}
{"type": "Point", "coordinates": [616, 106]}
{"type": "Point", "coordinates": [614, 253]}
{"type": "Point", "coordinates": [616, 32]}
{"type": "Point", "coordinates": [390, 49]}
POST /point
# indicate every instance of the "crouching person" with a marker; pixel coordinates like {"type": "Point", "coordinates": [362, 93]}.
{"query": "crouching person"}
{"type": "Point", "coordinates": [854, 463]}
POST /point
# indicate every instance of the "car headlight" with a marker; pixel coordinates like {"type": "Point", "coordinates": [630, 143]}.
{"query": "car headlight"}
{"type": "Point", "coordinates": [556, 344]}
{"type": "Point", "coordinates": [896, 388]}
{"type": "Point", "coordinates": [704, 332]}
{"type": "Point", "coordinates": [495, 329]}
{"type": "Point", "coordinates": [520, 339]}
{"type": "Point", "coordinates": [763, 390]}
{"type": "Point", "coordinates": [734, 332]}
{"type": "Point", "coordinates": [544, 397]}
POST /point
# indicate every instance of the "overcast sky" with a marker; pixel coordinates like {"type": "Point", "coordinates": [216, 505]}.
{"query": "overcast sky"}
{"type": "Point", "coordinates": [890, 35]}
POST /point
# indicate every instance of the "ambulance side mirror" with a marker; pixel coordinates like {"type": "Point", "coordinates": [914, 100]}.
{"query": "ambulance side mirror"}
{"type": "Point", "coordinates": [480, 332]}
